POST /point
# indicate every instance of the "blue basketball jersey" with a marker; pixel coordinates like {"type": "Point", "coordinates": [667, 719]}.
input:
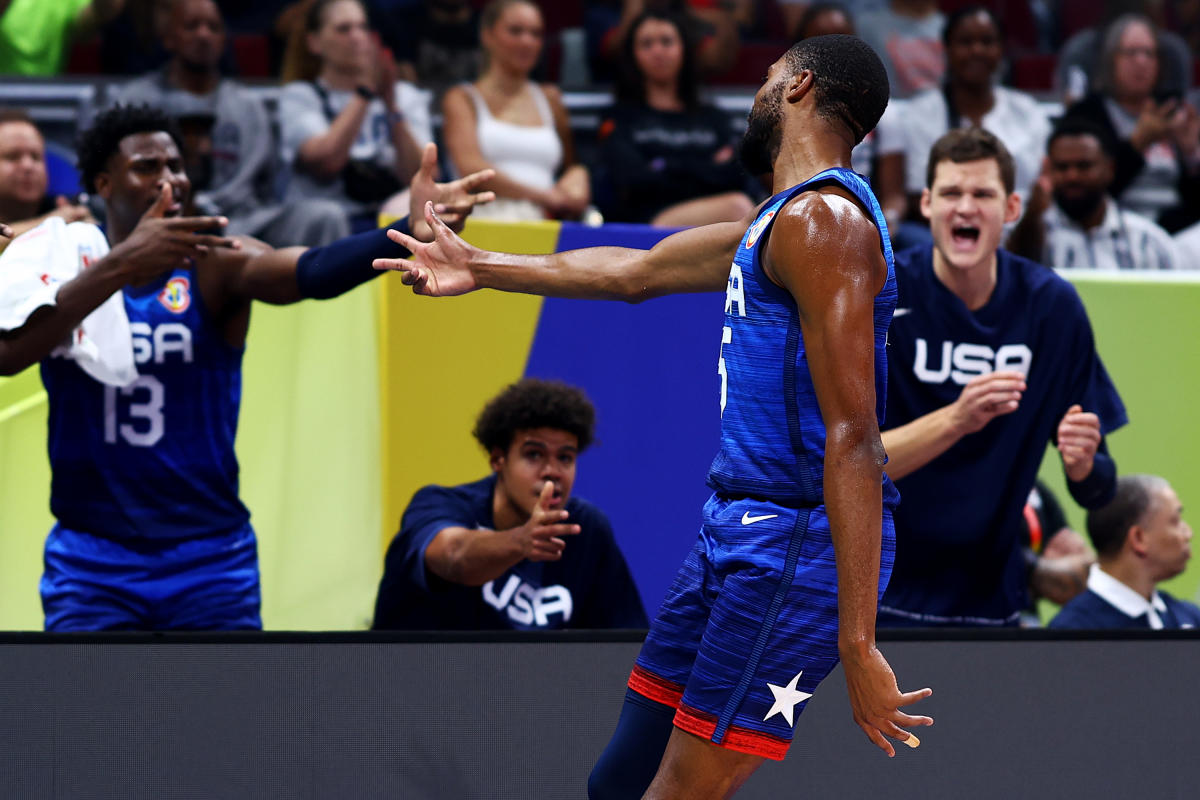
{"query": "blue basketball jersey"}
{"type": "Point", "coordinates": [772, 434]}
{"type": "Point", "coordinates": [155, 459]}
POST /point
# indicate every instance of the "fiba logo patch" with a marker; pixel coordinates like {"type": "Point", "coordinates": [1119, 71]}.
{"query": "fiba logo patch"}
{"type": "Point", "coordinates": [757, 228]}
{"type": "Point", "coordinates": [176, 295]}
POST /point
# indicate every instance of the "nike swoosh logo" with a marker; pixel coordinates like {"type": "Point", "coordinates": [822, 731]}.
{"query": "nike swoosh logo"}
{"type": "Point", "coordinates": [749, 520]}
{"type": "Point", "coordinates": [900, 312]}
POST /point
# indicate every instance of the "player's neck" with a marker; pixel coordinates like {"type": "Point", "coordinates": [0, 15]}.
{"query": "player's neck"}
{"type": "Point", "coordinates": [805, 154]}
{"type": "Point", "coordinates": [974, 286]}
{"type": "Point", "coordinates": [1131, 575]}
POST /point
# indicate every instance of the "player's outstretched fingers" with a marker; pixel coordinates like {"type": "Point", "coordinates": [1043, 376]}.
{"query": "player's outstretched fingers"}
{"type": "Point", "coordinates": [878, 738]}
{"type": "Point", "coordinates": [404, 240]}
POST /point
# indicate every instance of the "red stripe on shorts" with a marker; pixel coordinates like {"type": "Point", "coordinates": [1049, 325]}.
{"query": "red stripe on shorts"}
{"type": "Point", "coordinates": [743, 740]}
{"type": "Point", "coordinates": [647, 684]}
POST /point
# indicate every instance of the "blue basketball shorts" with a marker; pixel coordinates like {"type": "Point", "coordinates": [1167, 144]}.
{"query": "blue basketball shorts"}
{"type": "Point", "coordinates": [750, 625]}
{"type": "Point", "coordinates": [92, 583]}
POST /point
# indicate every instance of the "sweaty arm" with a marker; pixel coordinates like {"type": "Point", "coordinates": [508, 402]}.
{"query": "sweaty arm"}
{"type": "Point", "coordinates": [692, 260]}
{"type": "Point", "coordinates": [827, 254]}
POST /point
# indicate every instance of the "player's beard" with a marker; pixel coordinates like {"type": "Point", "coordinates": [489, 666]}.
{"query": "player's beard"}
{"type": "Point", "coordinates": [1079, 207]}
{"type": "Point", "coordinates": [760, 143]}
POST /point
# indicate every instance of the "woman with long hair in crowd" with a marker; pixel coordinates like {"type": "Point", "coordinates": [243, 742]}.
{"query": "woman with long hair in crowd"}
{"type": "Point", "coordinates": [970, 96]}
{"type": "Point", "coordinates": [351, 131]}
{"type": "Point", "coordinates": [669, 158]}
{"type": "Point", "coordinates": [1157, 169]}
{"type": "Point", "coordinates": [506, 122]}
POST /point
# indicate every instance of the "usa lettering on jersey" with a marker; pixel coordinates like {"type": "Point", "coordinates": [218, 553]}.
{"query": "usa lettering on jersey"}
{"type": "Point", "coordinates": [962, 362]}
{"type": "Point", "coordinates": [529, 605]}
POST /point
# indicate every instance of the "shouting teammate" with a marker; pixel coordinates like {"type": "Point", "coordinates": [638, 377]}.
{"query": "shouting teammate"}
{"type": "Point", "coordinates": [151, 533]}
{"type": "Point", "coordinates": [797, 540]}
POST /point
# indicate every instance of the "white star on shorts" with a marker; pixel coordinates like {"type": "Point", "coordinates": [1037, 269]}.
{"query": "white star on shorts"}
{"type": "Point", "coordinates": [786, 698]}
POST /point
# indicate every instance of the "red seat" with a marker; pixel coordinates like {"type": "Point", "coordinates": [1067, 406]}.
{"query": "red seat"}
{"type": "Point", "coordinates": [252, 55]}
{"type": "Point", "coordinates": [84, 58]}
{"type": "Point", "coordinates": [1035, 72]}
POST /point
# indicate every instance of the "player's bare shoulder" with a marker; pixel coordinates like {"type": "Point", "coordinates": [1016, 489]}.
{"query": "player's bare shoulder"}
{"type": "Point", "coordinates": [824, 229]}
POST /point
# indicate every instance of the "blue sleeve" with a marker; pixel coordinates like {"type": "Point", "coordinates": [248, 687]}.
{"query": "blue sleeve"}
{"type": "Point", "coordinates": [1092, 388]}
{"type": "Point", "coordinates": [612, 599]}
{"type": "Point", "coordinates": [432, 509]}
{"type": "Point", "coordinates": [1090, 385]}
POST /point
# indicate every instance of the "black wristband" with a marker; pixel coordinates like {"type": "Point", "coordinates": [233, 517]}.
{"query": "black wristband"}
{"type": "Point", "coordinates": [364, 93]}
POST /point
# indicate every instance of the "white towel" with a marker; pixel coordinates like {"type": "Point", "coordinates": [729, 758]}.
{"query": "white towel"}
{"type": "Point", "coordinates": [34, 267]}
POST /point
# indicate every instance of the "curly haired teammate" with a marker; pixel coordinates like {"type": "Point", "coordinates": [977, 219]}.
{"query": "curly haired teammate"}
{"type": "Point", "coordinates": [797, 540]}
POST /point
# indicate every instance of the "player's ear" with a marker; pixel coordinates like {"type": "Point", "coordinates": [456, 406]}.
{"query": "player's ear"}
{"type": "Point", "coordinates": [496, 459]}
{"type": "Point", "coordinates": [1012, 208]}
{"type": "Point", "coordinates": [798, 85]}
{"type": "Point", "coordinates": [926, 203]}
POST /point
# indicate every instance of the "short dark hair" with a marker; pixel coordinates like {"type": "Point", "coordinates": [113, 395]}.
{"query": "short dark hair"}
{"type": "Point", "coordinates": [955, 17]}
{"type": "Point", "coordinates": [851, 83]}
{"type": "Point", "coordinates": [1109, 525]}
{"type": "Point", "coordinates": [972, 144]}
{"type": "Point", "coordinates": [1082, 126]}
{"type": "Point", "coordinates": [98, 143]}
{"type": "Point", "coordinates": [631, 83]}
{"type": "Point", "coordinates": [534, 403]}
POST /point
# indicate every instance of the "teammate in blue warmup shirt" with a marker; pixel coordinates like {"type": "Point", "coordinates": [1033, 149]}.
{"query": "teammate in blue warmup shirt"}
{"type": "Point", "coordinates": [514, 550]}
{"type": "Point", "coordinates": [797, 540]}
{"type": "Point", "coordinates": [1141, 539]}
{"type": "Point", "coordinates": [991, 356]}
{"type": "Point", "coordinates": [151, 533]}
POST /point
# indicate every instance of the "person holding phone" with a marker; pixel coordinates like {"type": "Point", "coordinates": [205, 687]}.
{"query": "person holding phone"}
{"type": "Point", "coordinates": [1158, 152]}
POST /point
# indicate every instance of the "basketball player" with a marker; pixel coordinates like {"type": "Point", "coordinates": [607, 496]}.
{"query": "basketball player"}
{"type": "Point", "coordinates": [798, 534]}
{"type": "Point", "coordinates": [992, 356]}
{"type": "Point", "coordinates": [151, 533]}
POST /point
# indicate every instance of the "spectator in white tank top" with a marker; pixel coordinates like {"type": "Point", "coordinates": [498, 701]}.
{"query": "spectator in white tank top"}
{"type": "Point", "coordinates": [508, 123]}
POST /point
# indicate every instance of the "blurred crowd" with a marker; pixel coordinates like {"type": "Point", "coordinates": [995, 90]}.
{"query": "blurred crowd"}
{"type": "Point", "coordinates": [364, 84]}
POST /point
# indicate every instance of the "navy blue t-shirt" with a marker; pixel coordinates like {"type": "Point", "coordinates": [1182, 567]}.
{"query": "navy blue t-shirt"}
{"type": "Point", "coordinates": [958, 526]}
{"type": "Point", "coordinates": [1090, 611]}
{"type": "Point", "coordinates": [589, 587]}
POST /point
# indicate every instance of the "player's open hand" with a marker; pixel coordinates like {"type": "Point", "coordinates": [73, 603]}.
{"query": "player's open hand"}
{"type": "Point", "coordinates": [453, 201]}
{"type": "Point", "coordinates": [1078, 440]}
{"type": "Point", "coordinates": [541, 537]}
{"type": "Point", "coordinates": [160, 243]}
{"type": "Point", "coordinates": [876, 700]}
{"type": "Point", "coordinates": [441, 268]}
{"type": "Point", "coordinates": [986, 397]}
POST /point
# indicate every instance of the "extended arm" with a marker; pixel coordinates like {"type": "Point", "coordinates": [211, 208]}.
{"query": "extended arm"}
{"type": "Point", "coordinates": [473, 557]}
{"type": "Point", "coordinates": [292, 274]}
{"type": "Point", "coordinates": [692, 260]}
{"type": "Point", "coordinates": [826, 253]}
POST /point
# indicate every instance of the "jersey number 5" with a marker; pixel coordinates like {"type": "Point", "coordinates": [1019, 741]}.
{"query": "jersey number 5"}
{"type": "Point", "coordinates": [145, 427]}
{"type": "Point", "coordinates": [726, 338]}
